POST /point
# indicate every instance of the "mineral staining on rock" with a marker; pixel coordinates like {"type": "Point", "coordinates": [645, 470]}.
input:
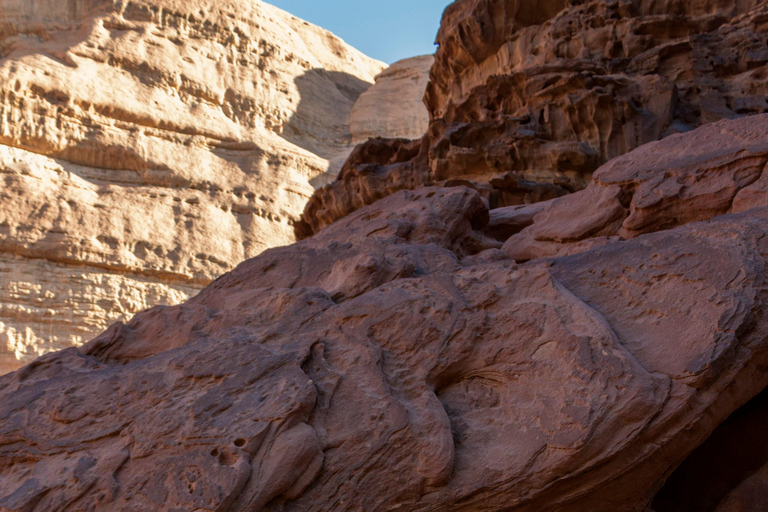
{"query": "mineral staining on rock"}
{"type": "Point", "coordinates": [401, 360]}
{"type": "Point", "coordinates": [393, 108]}
{"type": "Point", "coordinates": [148, 146]}
{"type": "Point", "coordinates": [527, 99]}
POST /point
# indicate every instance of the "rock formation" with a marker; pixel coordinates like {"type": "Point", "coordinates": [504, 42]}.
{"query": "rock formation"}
{"type": "Point", "coordinates": [527, 99]}
{"type": "Point", "coordinates": [148, 146]}
{"type": "Point", "coordinates": [400, 359]}
{"type": "Point", "coordinates": [394, 106]}
{"type": "Point", "coordinates": [659, 186]}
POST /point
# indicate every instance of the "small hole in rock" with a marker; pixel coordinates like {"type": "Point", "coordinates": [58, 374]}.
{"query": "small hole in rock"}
{"type": "Point", "coordinates": [240, 442]}
{"type": "Point", "coordinates": [215, 452]}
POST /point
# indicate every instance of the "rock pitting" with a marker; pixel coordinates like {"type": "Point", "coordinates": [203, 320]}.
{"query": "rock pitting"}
{"type": "Point", "coordinates": [493, 344]}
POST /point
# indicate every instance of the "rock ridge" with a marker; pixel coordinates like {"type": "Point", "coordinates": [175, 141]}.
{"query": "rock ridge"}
{"type": "Point", "coordinates": [402, 349]}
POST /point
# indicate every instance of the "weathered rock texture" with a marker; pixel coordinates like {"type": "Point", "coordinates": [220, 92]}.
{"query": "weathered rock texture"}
{"type": "Point", "coordinates": [659, 186]}
{"type": "Point", "coordinates": [400, 360]}
{"type": "Point", "coordinates": [148, 146]}
{"type": "Point", "coordinates": [529, 93]}
{"type": "Point", "coordinates": [394, 106]}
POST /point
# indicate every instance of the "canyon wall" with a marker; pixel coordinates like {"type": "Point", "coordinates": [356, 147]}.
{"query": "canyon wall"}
{"type": "Point", "coordinates": [527, 99]}
{"type": "Point", "coordinates": [574, 321]}
{"type": "Point", "coordinates": [148, 146]}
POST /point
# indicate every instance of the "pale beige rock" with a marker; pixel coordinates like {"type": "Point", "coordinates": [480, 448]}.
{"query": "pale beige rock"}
{"type": "Point", "coordinates": [147, 147]}
{"type": "Point", "coordinates": [46, 305]}
{"type": "Point", "coordinates": [394, 107]}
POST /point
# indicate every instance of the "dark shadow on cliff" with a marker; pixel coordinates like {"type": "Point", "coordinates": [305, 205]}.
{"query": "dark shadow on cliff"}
{"type": "Point", "coordinates": [321, 121]}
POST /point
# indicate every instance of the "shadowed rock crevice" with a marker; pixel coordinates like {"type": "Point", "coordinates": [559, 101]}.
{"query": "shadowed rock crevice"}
{"type": "Point", "coordinates": [728, 472]}
{"type": "Point", "coordinates": [435, 350]}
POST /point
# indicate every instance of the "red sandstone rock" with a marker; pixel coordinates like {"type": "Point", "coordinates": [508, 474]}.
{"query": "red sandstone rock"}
{"type": "Point", "coordinates": [401, 360]}
{"type": "Point", "coordinates": [527, 99]}
{"type": "Point", "coordinates": [715, 169]}
{"type": "Point", "coordinates": [398, 360]}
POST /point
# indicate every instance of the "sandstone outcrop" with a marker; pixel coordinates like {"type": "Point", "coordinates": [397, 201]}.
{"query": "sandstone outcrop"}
{"type": "Point", "coordinates": [526, 93]}
{"type": "Point", "coordinates": [393, 107]}
{"type": "Point", "coordinates": [401, 360]}
{"type": "Point", "coordinates": [659, 186]}
{"type": "Point", "coordinates": [148, 146]}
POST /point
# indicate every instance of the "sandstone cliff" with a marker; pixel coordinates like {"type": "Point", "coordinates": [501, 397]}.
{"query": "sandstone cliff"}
{"type": "Point", "coordinates": [494, 344]}
{"type": "Point", "coordinates": [148, 146]}
{"type": "Point", "coordinates": [402, 360]}
{"type": "Point", "coordinates": [394, 106]}
{"type": "Point", "coordinates": [527, 99]}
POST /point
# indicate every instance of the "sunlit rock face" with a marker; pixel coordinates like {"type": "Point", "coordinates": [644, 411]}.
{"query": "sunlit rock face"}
{"type": "Point", "coordinates": [394, 106]}
{"type": "Point", "coordinates": [402, 359]}
{"type": "Point", "coordinates": [148, 146]}
{"type": "Point", "coordinates": [528, 99]}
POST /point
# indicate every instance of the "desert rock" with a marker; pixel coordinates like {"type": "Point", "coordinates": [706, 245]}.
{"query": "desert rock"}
{"type": "Point", "coordinates": [399, 360]}
{"type": "Point", "coordinates": [148, 146]}
{"type": "Point", "coordinates": [393, 107]}
{"type": "Point", "coordinates": [527, 99]}
{"type": "Point", "coordinates": [716, 169]}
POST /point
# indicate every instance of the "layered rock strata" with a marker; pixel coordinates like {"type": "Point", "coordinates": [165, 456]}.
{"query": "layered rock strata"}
{"type": "Point", "coordinates": [525, 93]}
{"type": "Point", "coordinates": [394, 106]}
{"type": "Point", "coordinates": [148, 146]}
{"type": "Point", "coordinates": [401, 360]}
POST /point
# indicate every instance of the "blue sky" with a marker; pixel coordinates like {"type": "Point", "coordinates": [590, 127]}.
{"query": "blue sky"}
{"type": "Point", "coordinates": [387, 30]}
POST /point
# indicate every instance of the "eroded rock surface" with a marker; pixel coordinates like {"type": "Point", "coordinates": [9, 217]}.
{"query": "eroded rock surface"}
{"type": "Point", "coordinates": [718, 168]}
{"type": "Point", "coordinates": [394, 106]}
{"type": "Point", "coordinates": [529, 93]}
{"type": "Point", "coordinates": [400, 360]}
{"type": "Point", "coordinates": [148, 146]}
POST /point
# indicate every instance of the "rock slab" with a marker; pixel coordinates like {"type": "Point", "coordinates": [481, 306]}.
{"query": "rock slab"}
{"type": "Point", "coordinates": [393, 108]}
